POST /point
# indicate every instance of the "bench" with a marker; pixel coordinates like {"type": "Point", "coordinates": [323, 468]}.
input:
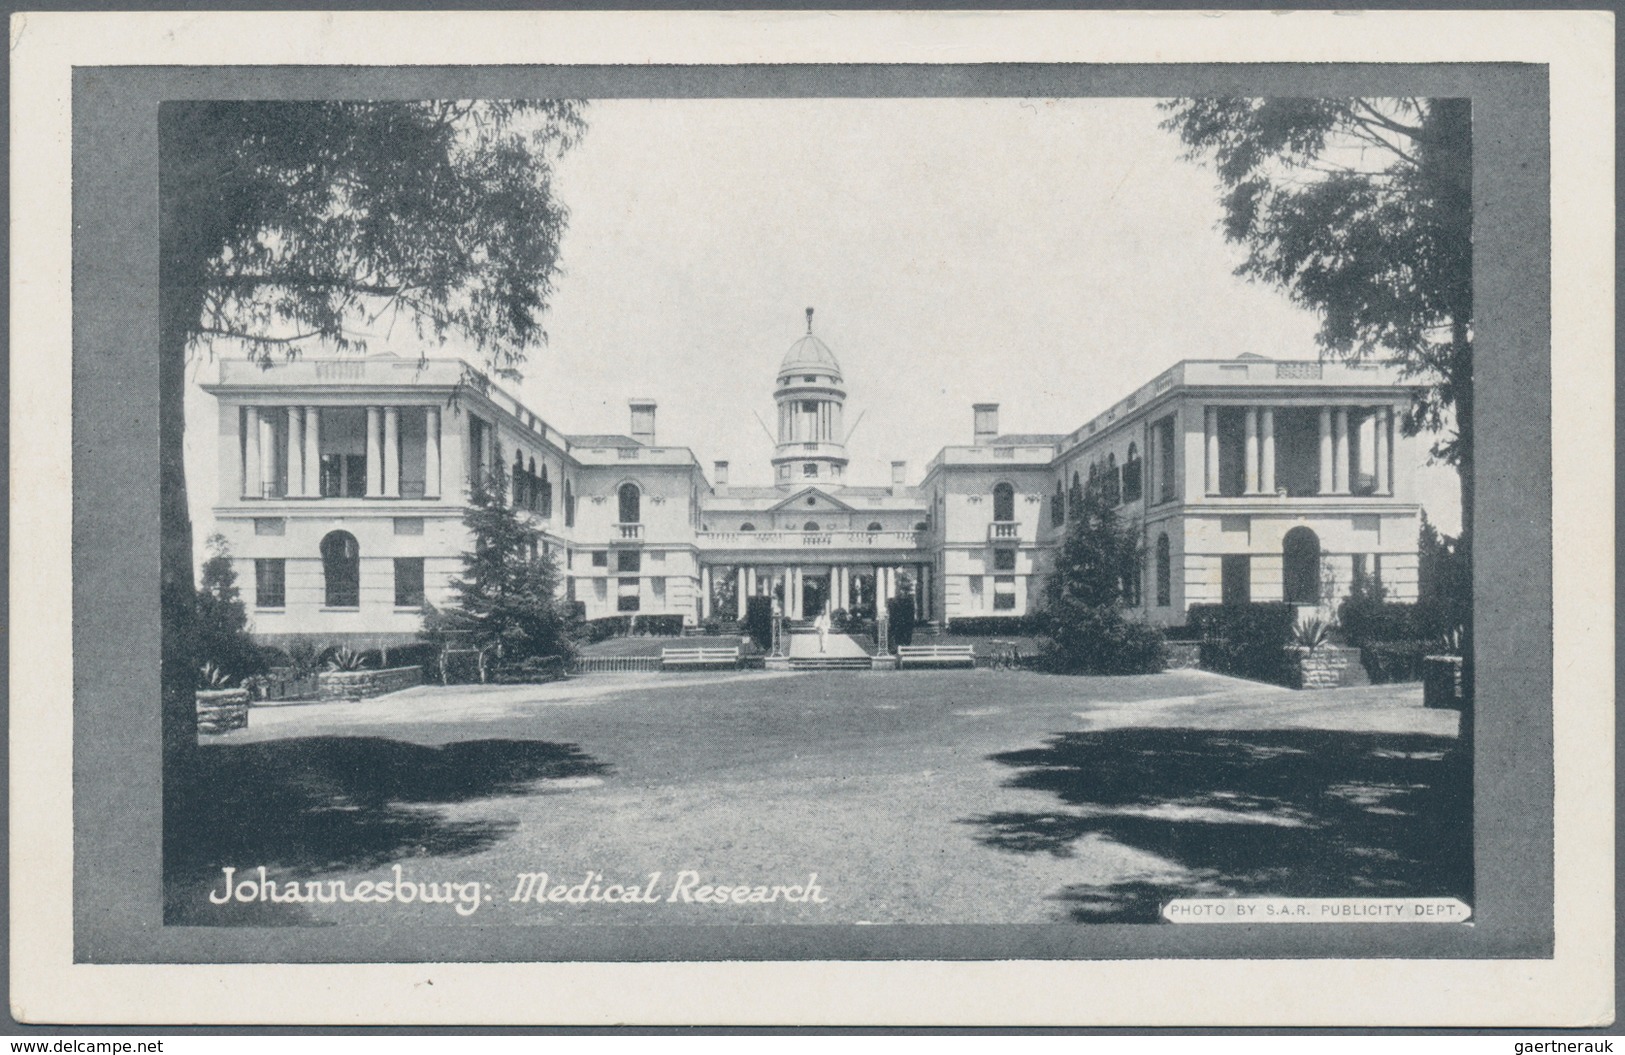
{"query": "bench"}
{"type": "Point", "coordinates": [935, 656]}
{"type": "Point", "coordinates": [686, 658]}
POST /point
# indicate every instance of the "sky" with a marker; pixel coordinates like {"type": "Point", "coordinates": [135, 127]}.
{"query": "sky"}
{"type": "Point", "coordinates": [1049, 255]}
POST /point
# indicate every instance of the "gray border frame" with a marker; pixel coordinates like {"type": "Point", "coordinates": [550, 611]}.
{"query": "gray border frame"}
{"type": "Point", "coordinates": [116, 778]}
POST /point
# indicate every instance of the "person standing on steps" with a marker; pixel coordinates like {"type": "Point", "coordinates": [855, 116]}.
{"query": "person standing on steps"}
{"type": "Point", "coordinates": [821, 624]}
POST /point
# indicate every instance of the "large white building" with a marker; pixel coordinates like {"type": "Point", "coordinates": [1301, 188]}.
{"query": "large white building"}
{"type": "Point", "coordinates": [343, 484]}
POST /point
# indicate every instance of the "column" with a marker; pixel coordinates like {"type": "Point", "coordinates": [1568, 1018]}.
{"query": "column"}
{"type": "Point", "coordinates": [1384, 423]}
{"type": "Point", "coordinates": [375, 458]}
{"type": "Point", "coordinates": [705, 591]}
{"type": "Point", "coordinates": [313, 452]}
{"type": "Point", "coordinates": [296, 452]}
{"type": "Point", "coordinates": [750, 581]}
{"type": "Point", "coordinates": [267, 452]}
{"type": "Point", "coordinates": [796, 592]}
{"type": "Point", "coordinates": [1266, 468]}
{"type": "Point", "coordinates": [1326, 458]}
{"type": "Point", "coordinates": [251, 453]}
{"type": "Point", "coordinates": [1340, 467]}
{"type": "Point", "coordinates": [392, 452]}
{"type": "Point", "coordinates": [1212, 424]}
{"type": "Point", "coordinates": [431, 458]}
{"type": "Point", "coordinates": [1250, 472]}
{"type": "Point", "coordinates": [739, 591]}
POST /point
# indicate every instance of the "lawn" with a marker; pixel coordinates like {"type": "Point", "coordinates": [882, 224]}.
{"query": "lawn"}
{"type": "Point", "coordinates": [931, 797]}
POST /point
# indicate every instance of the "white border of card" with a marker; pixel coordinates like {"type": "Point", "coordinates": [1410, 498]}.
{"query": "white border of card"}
{"type": "Point", "coordinates": [1574, 988]}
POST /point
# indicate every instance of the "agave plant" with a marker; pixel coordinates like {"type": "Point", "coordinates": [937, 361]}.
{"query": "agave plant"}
{"type": "Point", "coordinates": [346, 659]}
{"type": "Point", "coordinates": [1311, 633]}
{"type": "Point", "coordinates": [211, 677]}
{"type": "Point", "coordinates": [1449, 642]}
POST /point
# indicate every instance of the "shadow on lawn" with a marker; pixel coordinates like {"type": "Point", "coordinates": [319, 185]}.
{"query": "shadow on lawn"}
{"type": "Point", "coordinates": [1293, 813]}
{"type": "Point", "coordinates": [306, 806]}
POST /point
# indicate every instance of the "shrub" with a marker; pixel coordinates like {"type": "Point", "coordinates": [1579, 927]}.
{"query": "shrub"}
{"type": "Point", "coordinates": [900, 614]}
{"type": "Point", "coordinates": [1370, 618]}
{"type": "Point", "coordinates": [346, 659]}
{"type": "Point", "coordinates": [838, 620]}
{"type": "Point", "coordinates": [659, 625]}
{"type": "Point", "coordinates": [991, 625]}
{"type": "Point", "coordinates": [1086, 639]}
{"type": "Point", "coordinates": [1246, 640]}
{"type": "Point", "coordinates": [1387, 662]}
{"type": "Point", "coordinates": [608, 626]}
{"type": "Point", "coordinates": [759, 621]}
{"type": "Point", "coordinates": [532, 670]}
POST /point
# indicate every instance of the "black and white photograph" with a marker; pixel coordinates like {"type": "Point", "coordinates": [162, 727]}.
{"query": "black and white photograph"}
{"type": "Point", "coordinates": [869, 512]}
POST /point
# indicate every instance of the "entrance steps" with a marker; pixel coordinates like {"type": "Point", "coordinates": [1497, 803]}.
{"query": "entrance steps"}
{"type": "Point", "coordinates": [830, 663]}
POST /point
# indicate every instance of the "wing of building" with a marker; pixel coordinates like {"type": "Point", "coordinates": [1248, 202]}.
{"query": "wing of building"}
{"type": "Point", "coordinates": [343, 484]}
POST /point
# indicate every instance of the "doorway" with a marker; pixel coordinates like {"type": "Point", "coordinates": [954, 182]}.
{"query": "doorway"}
{"type": "Point", "coordinates": [813, 594]}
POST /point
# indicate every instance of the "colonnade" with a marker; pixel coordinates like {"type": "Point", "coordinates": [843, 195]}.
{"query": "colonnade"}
{"type": "Point", "coordinates": [1259, 449]}
{"type": "Point", "coordinates": [790, 582]}
{"type": "Point", "coordinates": [301, 475]}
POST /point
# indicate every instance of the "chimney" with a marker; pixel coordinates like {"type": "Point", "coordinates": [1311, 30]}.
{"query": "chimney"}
{"type": "Point", "coordinates": [643, 420]}
{"type": "Point", "coordinates": [719, 476]}
{"type": "Point", "coordinates": [898, 469]}
{"type": "Point", "coordinates": [987, 422]}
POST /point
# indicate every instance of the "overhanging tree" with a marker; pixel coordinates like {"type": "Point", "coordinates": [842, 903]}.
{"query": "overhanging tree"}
{"type": "Point", "coordinates": [290, 225]}
{"type": "Point", "coordinates": [1361, 210]}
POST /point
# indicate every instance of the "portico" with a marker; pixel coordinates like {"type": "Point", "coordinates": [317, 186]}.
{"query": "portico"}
{"type": "Point", "coordinates": [806, 589]}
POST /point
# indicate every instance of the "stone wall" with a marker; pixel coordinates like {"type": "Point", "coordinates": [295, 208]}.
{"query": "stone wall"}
{"type": "Point", "coordinates": [1326, 667]}
{"type": "Point", "coordinates": [360, 684]}
{"type": "Point", "coordinates": [221, 710]}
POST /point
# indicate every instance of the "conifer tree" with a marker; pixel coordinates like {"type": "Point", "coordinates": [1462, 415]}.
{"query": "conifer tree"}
{"type": "Point", "coordinates": [1083, 625]}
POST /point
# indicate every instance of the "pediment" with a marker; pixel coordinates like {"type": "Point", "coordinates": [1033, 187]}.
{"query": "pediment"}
{"type": "Point", "coordinates": [821, 500]}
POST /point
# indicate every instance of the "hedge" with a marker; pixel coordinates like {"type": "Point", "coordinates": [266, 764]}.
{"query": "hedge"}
{"type": "Point", "coordinates": [610, 626]}
{"type": "Point", "coordinates": [759, 621]}
{"type": "Point", "coordinates": [1387, 662]}
{"type": "Point", "coordinates": [1246, 640]}
{"type": "Point", "coordinates": [992, 625]}
{"type": "Point", "coordinates": [1364, 620]}
{"type": "Point", "coordinates": [900, 615]}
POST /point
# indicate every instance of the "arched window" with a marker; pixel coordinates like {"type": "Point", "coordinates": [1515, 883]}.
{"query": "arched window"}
{"type": "Point", "coordinates": [1113, 484]}
{"type": "Point", "coordinates": [516, 482]}
{"type": "Point", "coordinates": [1131, 475]}
{"type": "Point", "coordinates": [874, 526]}
{"type": "Point", "coordinates": [569, 505]}
{"type": "Point", "coordinates": [1074, 498]}
{"type": "Point", "coordinates": [811, 525]}
{"type": "Point", "coordinates": [1300, 567]}
{"type": "Point", "coordinates": [747, 526]}
{"type": "Point", "coordinates": [341, 568]}
{"type": "Point", "coordinates": [1165, 573]}
{"type": "Point", "coordinates": [630, 499]}
{"type": "Point", "coordinates": [1004, 503]}
{"type": "Point", "coordinates": [1057, 506]}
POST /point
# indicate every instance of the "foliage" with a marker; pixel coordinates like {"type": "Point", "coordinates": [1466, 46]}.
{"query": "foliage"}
{"type": "Point", "coordinates": [1361, 210]}
{"type": "Point", "coordinates": [1311, 633]}
{"type": "Point", "coordinates": [1444, 600]}
{"type": "Point", "coordinates": [305, 658]}
{"type": "Point", "coordinates": [839, 619]}
{"type": "Point", "coordinates": [347, 660]}
{"type": "Point", "coordinates": [221, 634]}
{"type": "Point", "coordinates": [900, 620]}
{"type": "Point", "coordinates": [1246, 640]}
{"type": "Point", "coordinates": [759, 621]}
{"type": "Point", "coordinates": [1387, 662]}
{"type": "Point", "coordinates": [507, 604]}
{"type": "Point", "coordinates": [288, 224]}
{"type": "Point", "coordinates": [1082, 625]}
{"type": "Point", "coordinates": [213, 678]}
{"type": "Point", "coordinates": [992, 625]}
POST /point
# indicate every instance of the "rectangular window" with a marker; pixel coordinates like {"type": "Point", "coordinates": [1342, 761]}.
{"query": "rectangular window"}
{"type": "Point", "coordinates": [976, 593]}
{"type": "Point", "coordinates": [270, 583]}
{"type": "Point", "coordinates": [1236, 579]}
{"type": "Point", "coordinates": [1165, 457]}
{"type": "Point", "coordinates": [409, 582]}
{"type": "Point", "coordinates": [1004, 593]}
{"type": "Point", "coordinates": [408, 525]}
{"type": "Point", "coordinates": [629, 560]}
{"type": "Point", "coordinates": [657, 586]}
{"type": "Point", "coordinates": [600, 558]}
{"type": "Point", "coordinates": [1359, 569]}
{"type": "Point", "coordinates": [270, 526]}
{"type": "Point", "coordinates": [1004, 560]}
{"type": "Point", "coordinates": [626, 599]}
{"type": "Point", "coordinates": [810, 469]}
{"type": "Point", "coordinates": [355, 476]}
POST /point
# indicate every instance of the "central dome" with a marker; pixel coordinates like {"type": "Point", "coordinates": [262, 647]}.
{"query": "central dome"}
{"type": "Point", "coordinates": [809, 351]}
